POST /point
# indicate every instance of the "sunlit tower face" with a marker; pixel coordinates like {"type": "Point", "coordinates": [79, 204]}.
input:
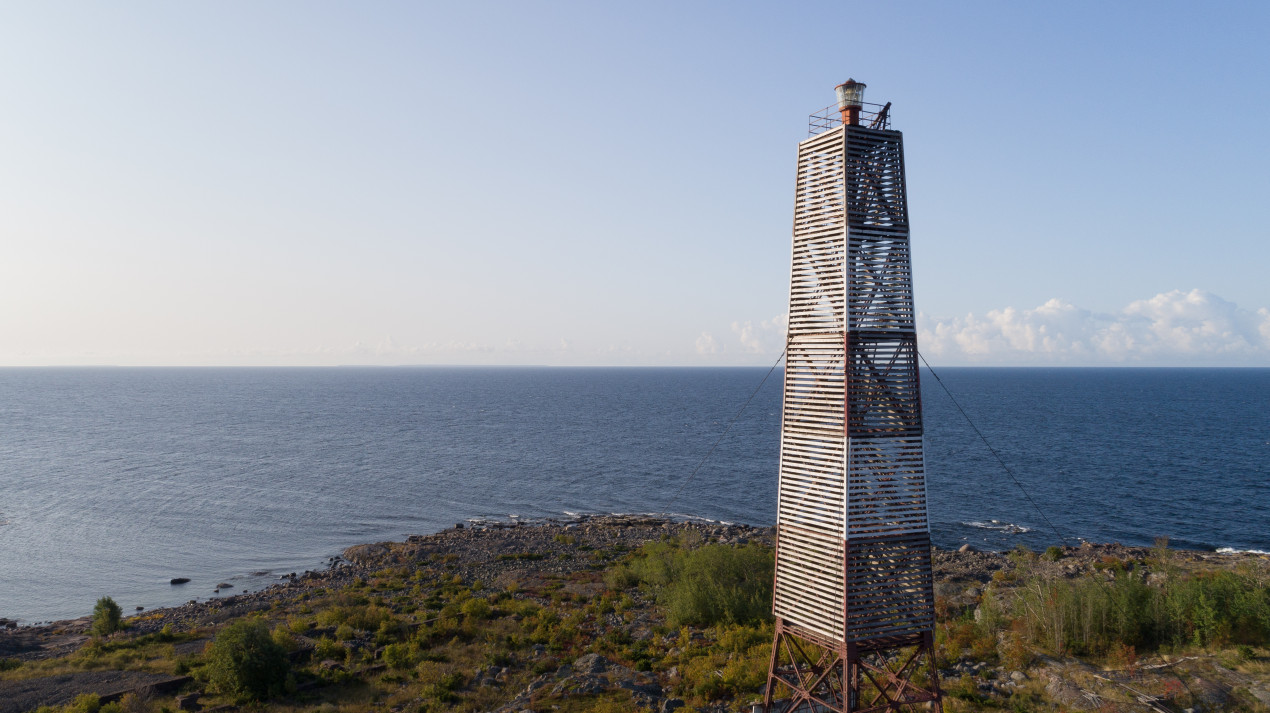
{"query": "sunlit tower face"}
{"type": "Point", "coordinates": [854, 583]}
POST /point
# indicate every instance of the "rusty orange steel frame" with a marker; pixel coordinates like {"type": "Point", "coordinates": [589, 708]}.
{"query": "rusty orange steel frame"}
{"type": "Point", "coordinates": [828, 676]}
{"type": "Point", "coordinates": [853, 595]}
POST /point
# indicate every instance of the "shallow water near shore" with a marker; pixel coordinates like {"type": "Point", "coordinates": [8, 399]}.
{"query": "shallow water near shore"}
{"type": "Point", "coordinates": [113, 481]}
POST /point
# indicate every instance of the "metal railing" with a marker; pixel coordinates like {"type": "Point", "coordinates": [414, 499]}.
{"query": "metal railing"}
{"type": "Point", "coordinates": [874, 116]}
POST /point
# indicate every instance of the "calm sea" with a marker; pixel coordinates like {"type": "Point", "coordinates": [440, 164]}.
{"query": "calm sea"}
{"type": "Point", "coordinates": [113, 481]}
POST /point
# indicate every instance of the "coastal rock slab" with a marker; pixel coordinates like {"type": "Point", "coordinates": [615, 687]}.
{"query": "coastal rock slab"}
{"type": "Point", "coordinates": [591, 663]}
{"type": "Point", "coordinates": [1070, 695]}
{"type": "Point", "coordinates": [366, 554]}
{"type": "Point", "coordinates": [29, 694]}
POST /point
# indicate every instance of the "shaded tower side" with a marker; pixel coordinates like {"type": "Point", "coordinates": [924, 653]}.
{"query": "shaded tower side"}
{"type": "Point", "coordinates": [853, 571]}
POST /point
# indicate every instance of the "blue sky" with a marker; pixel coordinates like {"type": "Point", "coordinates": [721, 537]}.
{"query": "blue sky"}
{"type": "Point", "coordinates": [603, 184]}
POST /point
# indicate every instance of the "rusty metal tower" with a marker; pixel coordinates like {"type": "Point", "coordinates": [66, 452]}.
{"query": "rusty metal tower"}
{"type": "Point", "coordinates": [854, 600]}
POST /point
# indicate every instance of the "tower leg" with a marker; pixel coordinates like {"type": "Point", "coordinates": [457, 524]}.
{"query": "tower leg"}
{"type": "Point", "coordinates": [806, 675]}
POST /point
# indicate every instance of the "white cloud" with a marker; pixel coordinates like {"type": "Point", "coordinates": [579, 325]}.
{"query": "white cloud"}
{"type": "Point", "coordinates": [388, 348]}
{"type": "Point", "coordinates": [1171, 328]}
{"type": "Point", "coordinates": [745, 332]}
{"type": "Point", "coordinates": [706, 344]}
{"type": "Point", "coordinates": [768, 337]}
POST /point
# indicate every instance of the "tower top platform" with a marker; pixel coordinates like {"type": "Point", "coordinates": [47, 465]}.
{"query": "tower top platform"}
{"type": "Point", "coordinates": [873, 116]}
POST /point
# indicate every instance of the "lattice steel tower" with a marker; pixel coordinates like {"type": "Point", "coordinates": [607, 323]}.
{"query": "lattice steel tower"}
{"type": "Point", "coordinates": [854, 600]}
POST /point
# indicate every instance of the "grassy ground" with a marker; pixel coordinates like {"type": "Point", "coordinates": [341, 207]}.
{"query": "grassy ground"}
{"type": "Point", "coordinates": [686, 619]}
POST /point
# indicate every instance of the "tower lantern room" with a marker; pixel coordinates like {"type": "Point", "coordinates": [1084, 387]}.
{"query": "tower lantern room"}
{"type": "Point", "coordinates": [850, 101]}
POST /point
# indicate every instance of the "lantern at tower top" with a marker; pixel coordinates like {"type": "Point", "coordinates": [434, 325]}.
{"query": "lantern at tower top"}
{"type": "Point", "coordinates": [850, 110]}
{"type": "Point", "coordinates": [850, 100]}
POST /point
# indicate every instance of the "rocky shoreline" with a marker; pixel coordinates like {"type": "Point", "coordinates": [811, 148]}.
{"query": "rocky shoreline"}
{"type": "Point", "coordinates": [524, 557]}
{"type": "Point", "coordinates": [497, 552]}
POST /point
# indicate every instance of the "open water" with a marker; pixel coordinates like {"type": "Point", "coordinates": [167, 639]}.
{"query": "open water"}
{"type": "Point", "coordinates": [113, 481]}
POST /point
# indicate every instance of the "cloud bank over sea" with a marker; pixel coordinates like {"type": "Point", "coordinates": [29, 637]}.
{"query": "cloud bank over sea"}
{"type": "Point", "coordinates": [1176, 328]}
{"type": "Point", "coordinates": [1193, 328]}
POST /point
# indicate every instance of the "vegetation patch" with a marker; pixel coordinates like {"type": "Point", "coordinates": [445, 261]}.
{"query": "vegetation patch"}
{"type": "Point", "coordinates": [684, 616]}
{"type": "Point", "coordinates": [245, 663]}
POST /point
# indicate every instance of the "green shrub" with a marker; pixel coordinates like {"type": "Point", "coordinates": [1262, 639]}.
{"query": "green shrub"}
{"type": "Point", "coordinates": [712, 584]}
{"type": "Point", "coordinates": [620, 578]}
{"type": "Point", "coordinates": [333, 616]}
{"type": "Point", "coordinates": [1013, 652]}
{"type": "Point", "coordinates": [526, 608]}
{"type": "Point", "coordinates": [85, 703]}
{"type": "Point", "coordinates": [389, 632]}
{"type": "Point", "coordinates": [283, 637]}
{"type": "Point", "coordinates": [1053, 553]}
{"type": "Point", "coordinates": [702, 678]}
{"type": "Point", "coordinates": [91, 703]}
{"type": "Point", "coordinates": [720, 584]}
{"type": "Point", "coordinates": [476, 608]}
{"type": "Point", "coordinates": [398, 656]}
{"type": "Point", "coordinates": [245, 662]}
{"type": "Point", "coordinates": [716, 675]}
{"type": "Point", "coordinates": [131, 702]}
{"type": "Point", "coordinates": [442, 687]}
{"type": "Point", "coordinates": [967, 690]}
{"type": "Point", "coordinates": [656, 564]}
{"type": "Point", "coordinates": [106, 615]}
{"type": "Point", "coordinates": [1003, 576]}
{"type": "Point", "coordinates": [739, 639]}
{"type": "Point", "coordinates": [691, 538]}
{"type": "Point", "coordinates": [367, 618]}
{"type": "Point", "coordinates": [1086, 616]}
{"type": "Point", "coordinates": [498, 658]}
{"type": "Point", "coordinates": [327, 648]}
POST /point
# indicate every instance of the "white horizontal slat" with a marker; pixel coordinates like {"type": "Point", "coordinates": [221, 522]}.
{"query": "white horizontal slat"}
{"type": "Point", "coordinates": [851, 272]}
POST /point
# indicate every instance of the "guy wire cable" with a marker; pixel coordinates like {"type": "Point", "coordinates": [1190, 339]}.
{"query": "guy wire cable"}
{"type": "Point", "coordinates": [693, 474]}
{"type": "Point", "coordinates": [993, 451]}
{"type": "Point", "coordinates": [1105, 587]}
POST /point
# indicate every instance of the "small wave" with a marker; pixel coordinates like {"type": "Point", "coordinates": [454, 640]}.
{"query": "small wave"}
{"type": "Point", "coordinates": [571, 516]}
{"type": "Point", "coordinates": [488, 519]}
{"type": "Point", "coordinates": [1007, 527]}
{"type": "Point", "coordinates": [1232, 551]}
{"type": "Point", "coordinates": [510, 519]}
{"type": "Point", "coordinates": [684, 517]}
